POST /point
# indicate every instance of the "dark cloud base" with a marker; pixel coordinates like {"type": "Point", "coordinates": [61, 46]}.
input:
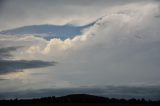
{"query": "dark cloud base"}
{"type": "Point", "coordinates": [5, 52]}
{"type": "Point", "coordinates": [10, 66]}
{"type": "Point", "coordinates": [126, 92]}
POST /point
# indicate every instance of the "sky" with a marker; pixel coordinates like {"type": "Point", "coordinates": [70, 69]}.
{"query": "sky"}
{"type": "Point", "coordinates": [117, 56]}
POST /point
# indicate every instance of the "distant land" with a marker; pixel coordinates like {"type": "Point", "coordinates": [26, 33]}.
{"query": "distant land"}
{"type": "Point", "coordinates": [78, 100]}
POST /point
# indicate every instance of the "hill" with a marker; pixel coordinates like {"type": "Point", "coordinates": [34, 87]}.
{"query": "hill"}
{"type": "Point", "coordinates": [79, 100]}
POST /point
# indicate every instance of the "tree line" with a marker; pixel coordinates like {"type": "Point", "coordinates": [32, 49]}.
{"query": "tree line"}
{"type": "Point", "coordinates": [77, 98]}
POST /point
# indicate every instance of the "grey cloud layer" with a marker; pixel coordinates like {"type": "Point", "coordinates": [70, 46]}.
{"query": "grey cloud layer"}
{"type": "Point", "coordinates": [50, 11]}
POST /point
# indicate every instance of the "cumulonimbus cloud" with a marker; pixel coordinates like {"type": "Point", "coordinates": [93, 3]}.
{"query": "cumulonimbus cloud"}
{"type": "Point", "coordinates": [120, 49]}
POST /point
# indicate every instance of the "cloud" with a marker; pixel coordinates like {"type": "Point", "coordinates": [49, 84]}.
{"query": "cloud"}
{"type": "Point", "coordinates": [53, 12]}
{"type": "Point", "coordinates": [2, 79]}
{"type": "Point", "coordinates": [10, 66]}
{"type": "Point", "coordinates": [122, 48]}
{"type": "Point", "coordinates": [117, 49]}
{"type": "Point", "coordinates": [5, 52]}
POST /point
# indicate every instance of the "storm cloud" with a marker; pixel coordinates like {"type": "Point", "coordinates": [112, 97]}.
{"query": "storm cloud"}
{"type": "Point", "coordinates": [121, 48]}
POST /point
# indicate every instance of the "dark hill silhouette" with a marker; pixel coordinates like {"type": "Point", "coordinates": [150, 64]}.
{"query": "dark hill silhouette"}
{"type": "Point", "coordinates": [78, 99]}
{"type": "Point", "coordinates": [82, 98]}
